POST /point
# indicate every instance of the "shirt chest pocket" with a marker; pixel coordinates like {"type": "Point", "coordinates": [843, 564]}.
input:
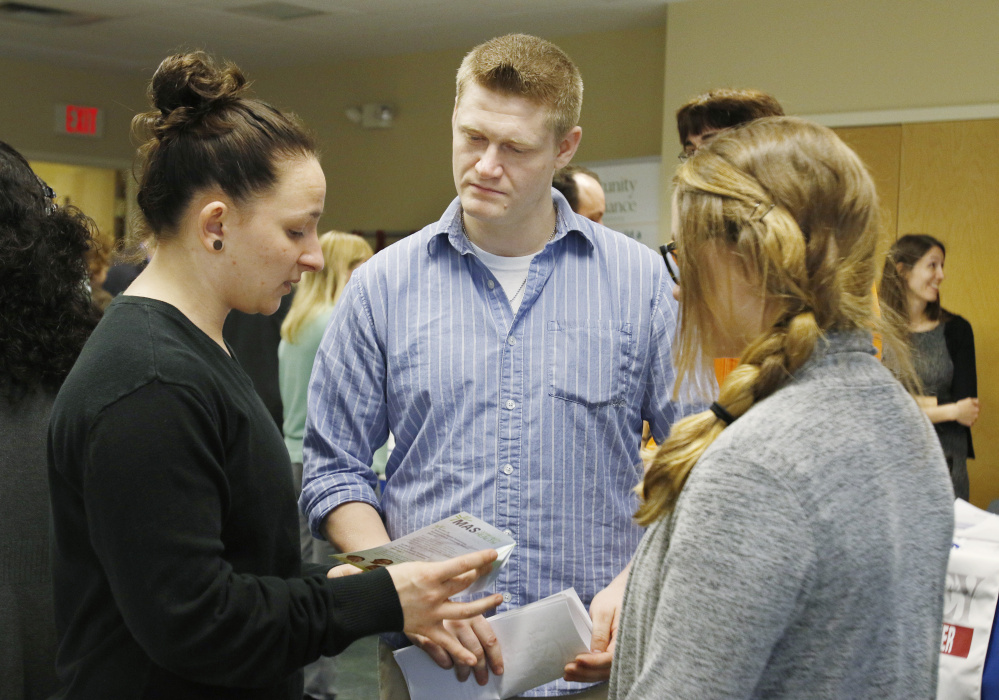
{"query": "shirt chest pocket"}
{"type": "Point", "coordinates": [590, 362]}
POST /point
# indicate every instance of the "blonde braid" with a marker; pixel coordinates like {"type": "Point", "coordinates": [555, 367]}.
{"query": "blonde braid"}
{"type": "Point", "coordinates": [797, 209]}
{"type": "Point", "coordinates": [763, 369]}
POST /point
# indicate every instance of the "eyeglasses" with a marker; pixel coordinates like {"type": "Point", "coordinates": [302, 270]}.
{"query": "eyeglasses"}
{"type": "Point", "coordinates": [669, 255]}
{"type": "Point", "coordinates": [704, 137]}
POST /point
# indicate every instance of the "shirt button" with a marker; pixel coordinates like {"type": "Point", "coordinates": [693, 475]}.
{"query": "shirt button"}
{"type": "Point", "coordinates": [508, 533]}
{"type": "Point", "coordinates": [511, 404]}
{"type": "Point", "coordinates": [508, 469]}
{"type": "Point", "coordinates": [511, 340]}
{"type": "Point", "coordinates": [507, 597]}
{"type": "Point", "coordinates": [490, 284]}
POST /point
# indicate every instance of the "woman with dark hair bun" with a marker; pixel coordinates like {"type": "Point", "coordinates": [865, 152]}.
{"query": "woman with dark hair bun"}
{"type": "Point", "coordinates": [45, 317]}
{"type": "Point", "coordinates": [176, 557]}
{"type": "Point", "coordinates": [943, 347]}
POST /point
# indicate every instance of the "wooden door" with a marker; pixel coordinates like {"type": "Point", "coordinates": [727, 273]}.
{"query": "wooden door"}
{"type": "Point", "coordinates": [950, 189]}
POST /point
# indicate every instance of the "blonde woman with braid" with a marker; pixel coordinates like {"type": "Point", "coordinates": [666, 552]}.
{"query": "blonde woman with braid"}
{"type": "Point", "coordinates": [799, 530]}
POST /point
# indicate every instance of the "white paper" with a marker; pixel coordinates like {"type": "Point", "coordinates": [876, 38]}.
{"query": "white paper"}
{"type": "Point", "coordinates": [451, 537]}
{"type": "Point", "coordinates": [970, 597]}
{"type": "Point", "coordinates": [537, 641]}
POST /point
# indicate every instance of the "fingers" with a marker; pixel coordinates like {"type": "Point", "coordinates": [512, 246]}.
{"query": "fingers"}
{"type": "Point", "coordinates": [602, 620]}
{"type": "Point", "coordinates": [463, 631]}
{"type": "Point", "coordinates": [463, 611]}
{"type": "Point", "coordinates": [468, 562]}
{"type": "Point", "coordinates": [450, 644]}
{"type": "Point", "coordinates": [490, 646]}
{"type": "Point", "coordinates": [343, 570]}
{"type": "Point", "coordinates": [434, 651]}
{"type": "Point", "coordinates": [589, 668]}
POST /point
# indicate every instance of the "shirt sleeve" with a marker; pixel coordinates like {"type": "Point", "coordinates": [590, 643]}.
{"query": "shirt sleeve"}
{"type": "Point", "coordinates": [157, 491]}
{"type": "Point", "coordinates": [347, 416]}
{"type": "Point", "coordinates": [740, 558]}
{"type": "Point", "coordinates": [659, 407]}
{"type": "Point", "coordinates": [961, 346]}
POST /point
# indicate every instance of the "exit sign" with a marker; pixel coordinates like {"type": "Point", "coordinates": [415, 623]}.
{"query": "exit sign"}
{"type": "Point", "coordinates": [79, 120]}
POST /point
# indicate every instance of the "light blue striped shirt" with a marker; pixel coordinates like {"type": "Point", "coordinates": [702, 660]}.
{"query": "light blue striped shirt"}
{"type": "Point", "coordinates": [531, 422]}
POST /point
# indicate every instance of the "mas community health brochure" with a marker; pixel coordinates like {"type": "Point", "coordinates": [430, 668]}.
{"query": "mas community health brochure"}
{"type": "Point", "coordinates": [459, 534]}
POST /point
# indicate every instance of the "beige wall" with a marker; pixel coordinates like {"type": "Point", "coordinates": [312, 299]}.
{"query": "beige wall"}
{"type": "Point", "coordinates": [400, 178]}
{"type": "Point", "coordinates": [27, 119]}
{"type": "Point", "coordinates": [92, 190]}
{"type": "Point", "coordinates": [393, 179]}
{"type": "Point", "coordinates": [821, 56]}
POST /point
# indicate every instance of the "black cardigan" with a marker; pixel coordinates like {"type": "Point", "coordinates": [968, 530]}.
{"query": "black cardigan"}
{"type": "Point", "coordinates": [960, 342]}
{"type": "Point", "coordinates": [177, 566]}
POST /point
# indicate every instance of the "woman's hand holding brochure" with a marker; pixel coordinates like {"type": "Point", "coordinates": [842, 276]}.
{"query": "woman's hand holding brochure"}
{"type": "Point", "coordinates": [425, 588]}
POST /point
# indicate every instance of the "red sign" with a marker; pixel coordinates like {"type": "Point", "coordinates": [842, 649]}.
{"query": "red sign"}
{"type": "Point", "coordinates": [81, 120]}
{"type": "Point", "coordinates": [956, 640]}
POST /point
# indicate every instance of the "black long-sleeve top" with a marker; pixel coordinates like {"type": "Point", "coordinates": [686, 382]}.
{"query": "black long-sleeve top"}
{"type": "Point", "coordinates": [176, 560]}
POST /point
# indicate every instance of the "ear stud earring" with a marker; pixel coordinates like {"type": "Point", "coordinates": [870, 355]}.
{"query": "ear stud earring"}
{"type": "Point", "coordinates": [217, 244]}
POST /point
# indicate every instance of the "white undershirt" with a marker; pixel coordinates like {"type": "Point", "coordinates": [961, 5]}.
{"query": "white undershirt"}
{"type": "Point", "coordinates": [509, 272]}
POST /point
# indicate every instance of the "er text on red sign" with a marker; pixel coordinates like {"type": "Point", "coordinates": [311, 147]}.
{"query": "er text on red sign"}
{"type": "Point", "coordinates": [956, 640]}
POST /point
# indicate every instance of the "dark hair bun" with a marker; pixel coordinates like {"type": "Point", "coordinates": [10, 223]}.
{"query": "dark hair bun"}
{"type": "Point", "coordinates": [194, 84]}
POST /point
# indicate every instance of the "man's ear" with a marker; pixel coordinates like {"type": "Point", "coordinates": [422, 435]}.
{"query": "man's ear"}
{"type": "Point", "coordinates": [211, 225]}
{"type": "Point", "coordinates": [566, 148]}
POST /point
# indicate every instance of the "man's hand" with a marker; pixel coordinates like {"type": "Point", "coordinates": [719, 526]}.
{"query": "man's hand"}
{"type": "Point", "coordinates": [424, 590]}
{"type": "Point", "coordinates": [605, 611]}
{"type": "Point", "coordinates": [343, 570]}
{"type": "Point", "coordinates": [476, 636]}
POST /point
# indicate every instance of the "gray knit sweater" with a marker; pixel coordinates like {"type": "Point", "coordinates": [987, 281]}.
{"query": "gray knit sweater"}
{"type": "Point", "coordinates": [807, 553]}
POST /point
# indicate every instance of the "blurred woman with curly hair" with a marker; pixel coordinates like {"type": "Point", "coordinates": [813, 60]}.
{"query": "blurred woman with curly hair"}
{"type": "Point", "coordinates": [45, 317]}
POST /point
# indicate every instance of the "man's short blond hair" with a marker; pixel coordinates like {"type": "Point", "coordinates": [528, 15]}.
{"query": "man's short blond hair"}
{"type": "Point", "coordinates": [524, 65]}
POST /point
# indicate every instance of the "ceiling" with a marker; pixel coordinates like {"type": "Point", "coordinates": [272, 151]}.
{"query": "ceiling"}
{"type": "Point", "coordinates": [134, 35]}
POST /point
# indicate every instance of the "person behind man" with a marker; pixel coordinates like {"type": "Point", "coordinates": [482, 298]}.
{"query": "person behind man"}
{"type": "Point", "coordinates": [513, 348]}
{"type": "Point", "coordinates": [697, 122]}
{"type": "Point", "coordinates": [582, 189]}
{"type": "Point", "coordinates": [701, 118]}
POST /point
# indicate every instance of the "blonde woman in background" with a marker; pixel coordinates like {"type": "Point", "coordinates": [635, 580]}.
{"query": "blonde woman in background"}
{"type": "Point", "coordinates": [301, 332]}
{"type": "Point", "coordinates": [799, 530]}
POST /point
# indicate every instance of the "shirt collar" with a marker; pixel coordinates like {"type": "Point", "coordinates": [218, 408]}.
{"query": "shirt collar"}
{"type": "Point", "coordinates": [449, 226]}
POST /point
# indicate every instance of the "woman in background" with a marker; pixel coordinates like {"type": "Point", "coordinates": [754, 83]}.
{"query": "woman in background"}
{"type": "Point", "coordinates": [943, 347]}
{"type": "Point", "coordinates": [301, 332]}
{"type": "Point", "coordinates": [98, 263]}
{"type": "Point", "coordinates": [784, 523]}
{"type": "Point", "coordinates": [177, 571]}
{"type": "Point", "coordinates": [45, 318]}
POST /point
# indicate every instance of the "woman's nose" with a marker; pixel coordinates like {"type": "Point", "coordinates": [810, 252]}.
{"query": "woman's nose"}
{"type": "Point", "coordinates": [312, 257]}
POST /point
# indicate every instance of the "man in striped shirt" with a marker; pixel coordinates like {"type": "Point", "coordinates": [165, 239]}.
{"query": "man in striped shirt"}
{"type": "Point", "coordinates": [513, 349]}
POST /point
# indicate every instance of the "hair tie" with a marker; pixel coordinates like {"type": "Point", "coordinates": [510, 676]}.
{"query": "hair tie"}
{"type": "Point", "coordinates": [722, 414]}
